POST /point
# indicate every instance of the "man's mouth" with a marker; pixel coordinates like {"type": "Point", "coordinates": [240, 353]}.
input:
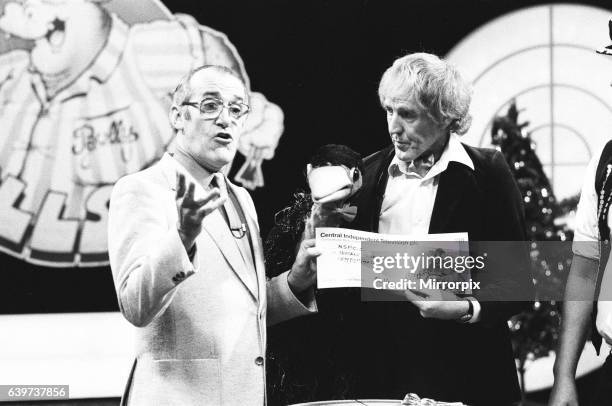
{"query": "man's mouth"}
{"type": "Point", "coordinates": [224, 138]}
{"type": "Point", "coordinates": [403, 144]}
{"type": "Point", "coordinates": [56, 34]}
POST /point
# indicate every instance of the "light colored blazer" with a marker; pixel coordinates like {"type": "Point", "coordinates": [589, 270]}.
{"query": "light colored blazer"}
{"type": "Point", "coordinates": [202, 326]}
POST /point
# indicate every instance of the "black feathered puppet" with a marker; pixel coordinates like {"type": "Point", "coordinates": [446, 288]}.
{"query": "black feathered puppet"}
{"type": "Point", "coordinates": [307, 357]}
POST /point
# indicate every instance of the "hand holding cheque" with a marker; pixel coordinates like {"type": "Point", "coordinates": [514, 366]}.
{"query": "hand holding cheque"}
{"type": "Point", "coordinates": [438, 304]}
{"type": "Point", "coordinates": [426, 269]}
{"type": "Point", "coordinates": [304, 270]}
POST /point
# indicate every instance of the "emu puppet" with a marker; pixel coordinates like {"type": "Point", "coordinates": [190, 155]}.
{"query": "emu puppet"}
{"type": "Point", "coordinates": [308, 357]}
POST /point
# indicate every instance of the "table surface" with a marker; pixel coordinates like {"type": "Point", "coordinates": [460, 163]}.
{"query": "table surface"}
{"type": "Point", "coordinates": [367, 402]}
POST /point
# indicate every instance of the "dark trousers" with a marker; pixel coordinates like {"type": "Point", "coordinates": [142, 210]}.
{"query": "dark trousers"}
{"type": "Point", "coordinates": [603, 391]}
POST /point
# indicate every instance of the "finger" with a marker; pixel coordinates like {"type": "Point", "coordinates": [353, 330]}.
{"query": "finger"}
{"type": "Point", "coordinates": [210, 207]}
{"type": "Point", "coordinates": [258, 153]}
{"type": "Point", "coordinates": [423, 293]}
{"type": "Point", "coordinates": [309, 243]}
{"type": "Point", "coordinates": [313, 265]}
{"type": "Point", "coordinates": [313, 252]}
{"type": "Point", "coordinates": [180, 185]}
{"type": "Point", "coordinates": [418, 304]}
{"type": "Point", "coordinates": [190, 192]}
{"type": "Point", "coordinates": [415, 298]}
{"type": "Point", "coordinates": [208, 196]}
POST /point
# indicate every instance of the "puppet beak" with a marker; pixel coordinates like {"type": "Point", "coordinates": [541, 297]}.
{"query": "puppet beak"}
{"type": "Point", "coordinates": [330, 184]}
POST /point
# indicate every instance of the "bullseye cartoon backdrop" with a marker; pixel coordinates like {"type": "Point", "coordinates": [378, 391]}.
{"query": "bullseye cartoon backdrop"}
{"type": "Point", "coordinates": [547, 67]}
{"type": "Point", "coordinates": [85, 84]}
{"type": "Point", "coordinates": [86, 104]}
{"type": "Point", "coordinates": [84, 95]}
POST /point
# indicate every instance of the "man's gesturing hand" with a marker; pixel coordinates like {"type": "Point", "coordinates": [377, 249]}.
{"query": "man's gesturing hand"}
{"type": "Point", "coordinates": [303, 273]}
{"type": "Point", "coordinates": [191, 211]}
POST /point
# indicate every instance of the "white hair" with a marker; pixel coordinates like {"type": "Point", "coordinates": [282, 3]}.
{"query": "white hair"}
{"type": "Point", "coordinates": [434, 84]}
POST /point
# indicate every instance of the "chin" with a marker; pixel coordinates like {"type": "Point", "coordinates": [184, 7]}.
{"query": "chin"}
{"type": "Point", "coordinates": [406, 156]}
{"type": "Point", "coordinates": [227, 157]}
{"type": "Point", "coordinates": [221, 160]}
{"type": "Point", "coordinates": [48, 62]}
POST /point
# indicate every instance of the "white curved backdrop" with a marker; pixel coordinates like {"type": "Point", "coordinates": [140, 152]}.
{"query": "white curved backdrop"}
{"type": "Point", "coordinates": [544, 58]}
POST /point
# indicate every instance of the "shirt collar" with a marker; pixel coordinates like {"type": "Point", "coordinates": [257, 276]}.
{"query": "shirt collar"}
{"type": "Point", "coordinates": [201, 175]}
{"type": "Point", "coordinates": [109, 57]}
{"type": "Point", "coordinates": [453, 151]}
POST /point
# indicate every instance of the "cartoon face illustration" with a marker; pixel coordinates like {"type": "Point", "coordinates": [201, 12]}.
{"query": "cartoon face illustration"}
{"type": "Point", "coordinates": [84, 102]}
{"type": "Point", "coordinates": [58, 28]}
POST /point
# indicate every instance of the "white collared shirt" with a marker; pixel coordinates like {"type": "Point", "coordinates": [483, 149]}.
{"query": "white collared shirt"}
{"type": "Point", "coordinates": [586, 239]}
{"type": "Point", "coordinates": [409, 198]}
{"type": "Point", "coordinates": [200, 174]}
{"type": "Point", "coordinates": [586, 232]}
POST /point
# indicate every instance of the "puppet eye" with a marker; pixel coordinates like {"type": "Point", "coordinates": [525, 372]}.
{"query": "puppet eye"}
{"type": "Point", "coordinates": [355, 174]}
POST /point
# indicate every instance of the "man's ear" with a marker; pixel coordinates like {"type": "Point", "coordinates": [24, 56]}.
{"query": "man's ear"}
{"type": "Point", "coordinates": [176, 118]}
{"type": "Point", "coordinates": [448, 123]}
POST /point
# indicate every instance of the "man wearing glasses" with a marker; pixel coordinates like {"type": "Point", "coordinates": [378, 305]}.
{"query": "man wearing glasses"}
{"type": "Point", "coordinates": [187, 261]}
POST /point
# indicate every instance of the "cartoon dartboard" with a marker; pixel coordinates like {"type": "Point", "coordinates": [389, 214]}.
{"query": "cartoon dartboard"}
{"type": "Point", "coordinates": [544, 59]}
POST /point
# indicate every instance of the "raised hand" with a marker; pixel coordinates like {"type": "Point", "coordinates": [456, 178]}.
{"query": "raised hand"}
{"type": "Point", "coordinates": [191, 211]}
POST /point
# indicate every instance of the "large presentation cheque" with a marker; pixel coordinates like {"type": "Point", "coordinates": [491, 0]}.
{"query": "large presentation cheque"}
{"type": "Point", "coordinates": [347, 253]}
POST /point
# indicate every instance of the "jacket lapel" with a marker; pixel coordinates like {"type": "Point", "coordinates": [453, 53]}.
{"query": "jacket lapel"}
{"type": "Point", "coordinates": [257, 251]}
{"type": "Point", "coordinates": [455, 183]}
{"type": "Point", "coordinates": [215, 226]}
{"type": "Point", "coordinates": [371, 195]}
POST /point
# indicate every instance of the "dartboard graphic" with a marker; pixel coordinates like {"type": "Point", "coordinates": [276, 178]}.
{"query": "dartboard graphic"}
{"type": "Point", "coordinates": [543, 58]}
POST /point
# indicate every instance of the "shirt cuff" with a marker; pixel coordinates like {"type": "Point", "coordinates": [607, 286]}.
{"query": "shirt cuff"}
{"type": "Point", "coordinates": [477, 309]}
{"type": "Point", "coordinates": [280, 296]}
{"type": "Point", "coordinates": [586, 248]}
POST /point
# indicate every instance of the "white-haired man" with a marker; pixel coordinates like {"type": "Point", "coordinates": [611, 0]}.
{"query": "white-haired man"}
{"type": "Point", "coordinates": [437, 344]}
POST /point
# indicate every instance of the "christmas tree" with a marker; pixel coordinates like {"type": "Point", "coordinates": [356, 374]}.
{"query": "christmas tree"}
{"type": "Point", "coordinates": [535, 332]}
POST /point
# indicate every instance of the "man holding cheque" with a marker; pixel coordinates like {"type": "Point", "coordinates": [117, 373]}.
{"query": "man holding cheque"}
{"type": "Point", "coordinates": [439, 344]}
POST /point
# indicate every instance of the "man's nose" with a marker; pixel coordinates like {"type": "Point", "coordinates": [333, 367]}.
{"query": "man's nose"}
{"type": "Point", "coordinates": [393, 124]}
{"type": "Point", "coordinates": [223, 119]}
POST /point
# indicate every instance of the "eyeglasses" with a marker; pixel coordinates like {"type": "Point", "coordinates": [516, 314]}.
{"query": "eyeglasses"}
{"type": "Point", "coordinates": [211, 108]}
